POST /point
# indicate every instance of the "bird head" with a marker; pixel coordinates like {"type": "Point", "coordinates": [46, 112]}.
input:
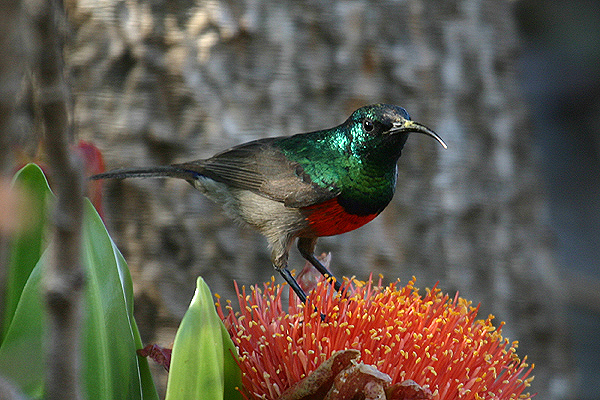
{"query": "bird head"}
{"type": "Point", "coordinates": [386, 124]}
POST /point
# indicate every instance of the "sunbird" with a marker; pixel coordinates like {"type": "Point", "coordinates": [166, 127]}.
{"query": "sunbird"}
{"type": "Point", "coordinates": [305, 186]}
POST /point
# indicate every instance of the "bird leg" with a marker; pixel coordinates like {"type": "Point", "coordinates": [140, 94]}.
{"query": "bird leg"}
{"type": "Point", "coordinates": [285, 273]}
{"type": "Point", "coordinates": [306, 246]}
{"type": "Point", "coordinates": [280, 250]}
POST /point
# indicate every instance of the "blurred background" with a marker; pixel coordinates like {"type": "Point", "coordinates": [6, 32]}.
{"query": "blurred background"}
{"type": "Point", "coordinates": [508, 216]}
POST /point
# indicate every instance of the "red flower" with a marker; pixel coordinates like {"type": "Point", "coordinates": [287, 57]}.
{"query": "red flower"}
{"type": "Point", "coordinates": [432, 340]}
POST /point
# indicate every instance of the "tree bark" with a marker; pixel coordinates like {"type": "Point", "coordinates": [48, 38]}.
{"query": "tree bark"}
{"type": "Point", "coordinates": [157, 83]}
{"type": "Point", "coordinates": [64, 277]}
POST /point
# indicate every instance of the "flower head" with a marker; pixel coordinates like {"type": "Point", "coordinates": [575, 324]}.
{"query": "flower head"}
{"type": "Point", "coordinates": [432, 340]}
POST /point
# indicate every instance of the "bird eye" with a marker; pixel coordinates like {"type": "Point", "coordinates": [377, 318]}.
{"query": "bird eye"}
{"type": "Point", "coordinates": [368, 125]}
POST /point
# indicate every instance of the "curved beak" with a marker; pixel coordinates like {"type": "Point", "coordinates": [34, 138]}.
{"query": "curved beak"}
{"type": "Point", "coordinates": [407, 125]}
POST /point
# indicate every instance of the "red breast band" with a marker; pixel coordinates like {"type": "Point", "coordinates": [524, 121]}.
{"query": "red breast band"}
{"type": "Point", "coordinates": [329, 218]}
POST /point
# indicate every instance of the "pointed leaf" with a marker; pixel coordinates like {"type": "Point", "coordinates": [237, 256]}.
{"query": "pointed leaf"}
{"type": "Point", "coordinates": [231, 369]}
{"type": "Point", "coordinates": [197, 360]}
{"type": "Point", "coordinates": [27, 243]}
{"type": "Point", "coordinates": [110, 367]}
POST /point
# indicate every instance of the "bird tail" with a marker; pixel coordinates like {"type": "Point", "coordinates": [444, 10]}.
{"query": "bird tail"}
{"type": "Point", "coordinates": [152, 172]}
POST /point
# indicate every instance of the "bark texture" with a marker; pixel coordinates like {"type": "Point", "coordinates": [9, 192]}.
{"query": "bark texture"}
{"type": "Point", "coordinates": [161, 82]}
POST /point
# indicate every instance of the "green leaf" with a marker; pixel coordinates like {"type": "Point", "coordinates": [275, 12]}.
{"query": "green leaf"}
{"type": "Point", "coordinates": [27, 244]}
{"type": "Point", "coordinates": [231, 370]}
{"type": "Point", "coordinates": [199, 354]}
{"type": "Point", "coordinates": [22, 354]}
{"type": "Point", "coordinates": [110, 366]}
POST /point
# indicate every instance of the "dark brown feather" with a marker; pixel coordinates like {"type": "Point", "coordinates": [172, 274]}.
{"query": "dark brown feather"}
{"type": "Point", "coordinates": [262, 168]}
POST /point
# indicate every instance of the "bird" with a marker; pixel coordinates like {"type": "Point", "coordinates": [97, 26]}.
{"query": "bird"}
{"type": "Point", "coordinates": [305, 186]}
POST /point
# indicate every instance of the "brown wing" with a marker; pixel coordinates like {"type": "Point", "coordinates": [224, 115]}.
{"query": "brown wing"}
{"type": "Point", "coordinates": [260, 167]}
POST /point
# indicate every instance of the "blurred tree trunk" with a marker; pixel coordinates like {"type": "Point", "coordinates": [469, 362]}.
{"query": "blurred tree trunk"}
{"type": "Point", "coordinates": [35, 112]}
{"type": "Point", "coordinates": [161, 82]}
